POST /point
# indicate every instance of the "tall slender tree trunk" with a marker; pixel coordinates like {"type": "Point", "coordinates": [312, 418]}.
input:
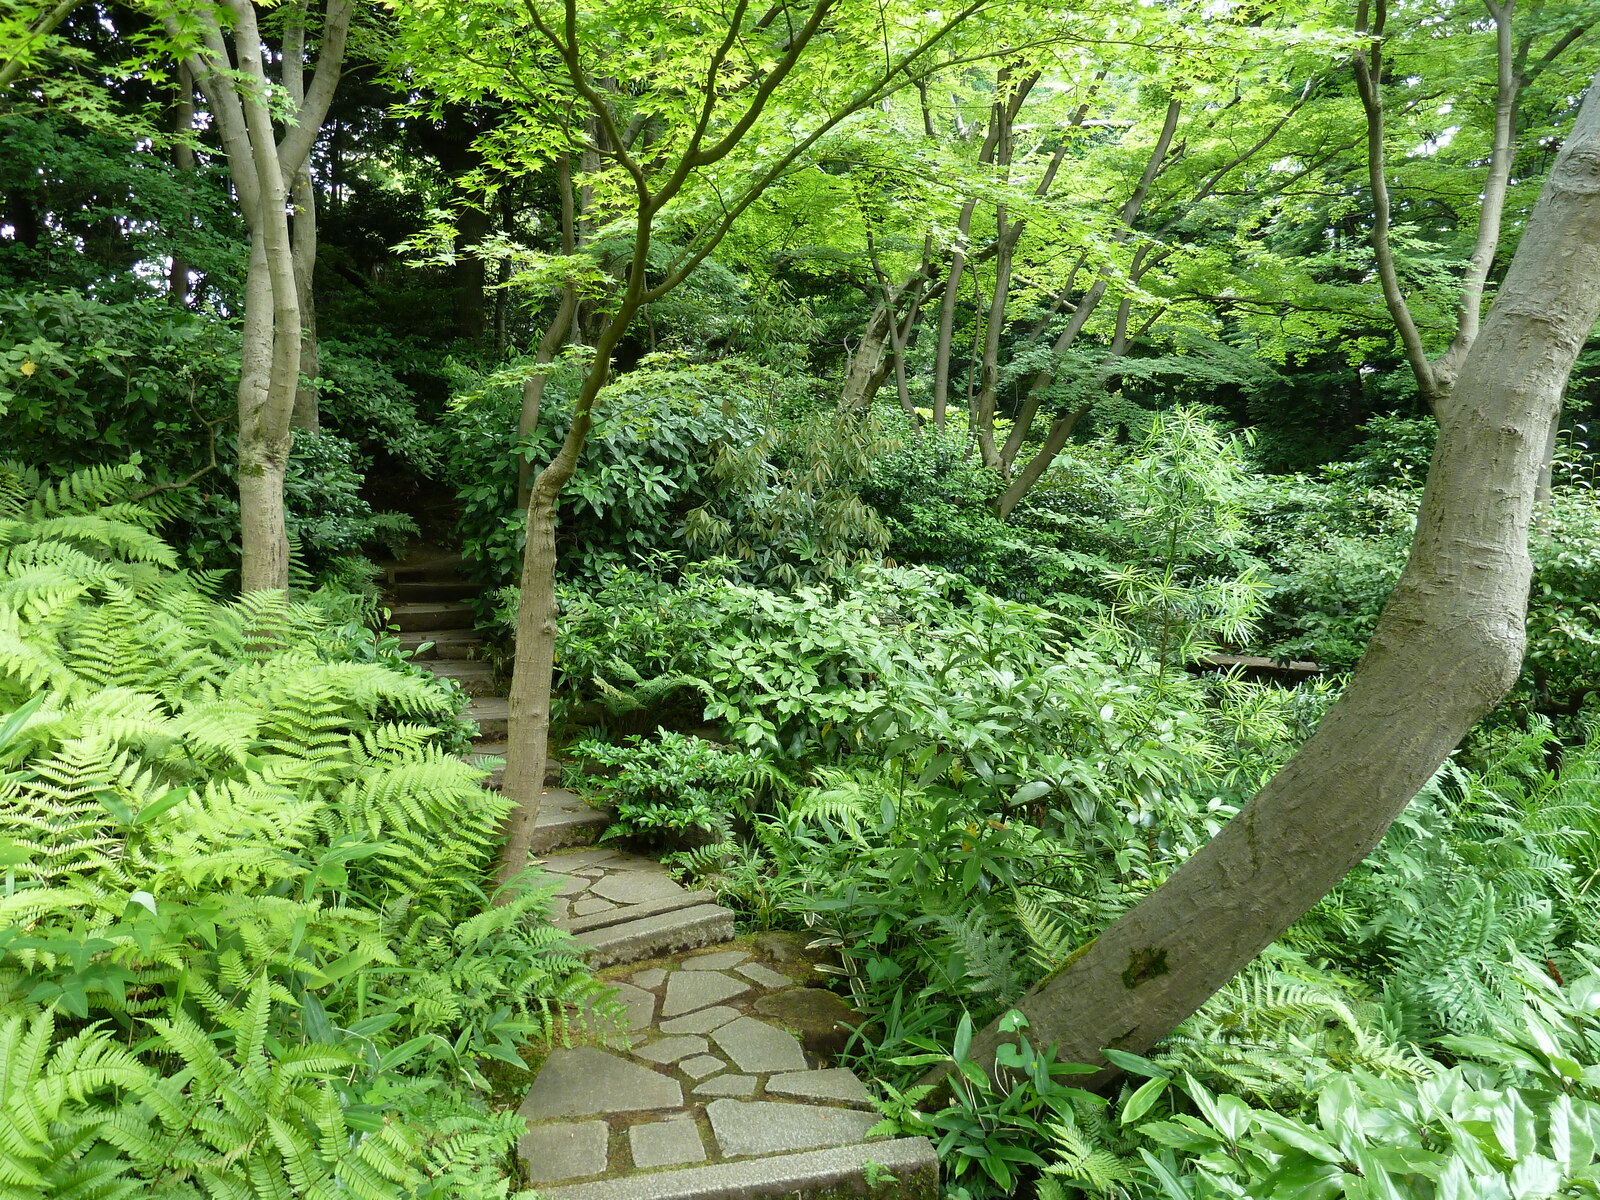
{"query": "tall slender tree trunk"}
{"type": "Point", "coordinates": [1447, 647]}
{"type": "Point", "coordinates": [264, 436]}
{"type": "Point", "coordinates": [263, 166]}
{"type": "Point", "coordinates": [183, 161]}
{"type": "Point", "coordinates": [307, 401]}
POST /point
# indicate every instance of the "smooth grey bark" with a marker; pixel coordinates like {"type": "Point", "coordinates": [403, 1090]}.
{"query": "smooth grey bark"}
{"type": "Point", "coordinates": [263, 165]}
{"type": "Point", "coordinates": [1448, 646]}
{"type": "Point", "coordinates": [303, 249]}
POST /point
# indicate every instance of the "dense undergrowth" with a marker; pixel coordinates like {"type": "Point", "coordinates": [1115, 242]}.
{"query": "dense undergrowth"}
{"type": "Point", "coordinates": [246, 949]}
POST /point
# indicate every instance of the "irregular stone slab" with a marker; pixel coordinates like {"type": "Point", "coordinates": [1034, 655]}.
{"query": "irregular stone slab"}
{"type": "Point", "coordinates": [823, 1020]}
{"type": "Point", "coordinates": [564, 1150]}
{"type": "Point", "coordinates": [634, 911]}
{"type": "Point", "coordinates": [702, 1065]}
{"type": "Point", "coordinates": [689, 990]}
{"type": "Point", "coordinates": [635, 887]}
{"type": "Point", "coordinates": [591, 905]}
{"type": "Point", "coordinates": [720, 961]}
{"type": "Point", "coordinates": [632, 940]}
{"type": "Point", "coordinates": [586, 1082]}
{"type": "Point", "coordinates": [666, 1143]}
{"type": "Point", "coordinates": [670, 1050]}
{"type": "Point", "coordinates": [765, 976]}
{"type": "Point", "coordinates": [814, 1173]}
{"type": "Point", "coordinates": [746, 1127]}
{"type": "Point", "coordinates": [728, 1085]}
{"type": "Point", "coordinates": [639, 1005]}
{"type": "Point", "coordinates": [653, 978]}
{"type": "Point", "coordinates": [833, 1084]}
{"type": "Point", "coordinates": [703, 1021]}
{"type": "Point", "coordinates": [565, 820]}
{"type": "Point", "coordinates": [567, 885]}
{"type": "Point", "coordinates": [757, 1047]}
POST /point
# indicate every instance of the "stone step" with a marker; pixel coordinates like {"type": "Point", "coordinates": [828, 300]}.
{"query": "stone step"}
{"type": "Point", "coordinates": [432, 615]}
{"type": "Point", "coordinates": [442, 565]}
{"type": "Point", "coordinates": [492, 713]}
{"type": "Point", "coordinates": [475, 678]}
{"type": "Point", "coordinates": [625, 907]}
{"type": "Point", "coordinates": [906, 1169]}
{"type": "Point", "coordinates": [646, 937]}
{"type": "Point", "coordinates": [441, 643]}
{"type": "Point", "coordinates": [425, 590]}
{"type": "Point", "coordinates": [552, 769]}
{"type": "Point", "coordinates": [566, 822]}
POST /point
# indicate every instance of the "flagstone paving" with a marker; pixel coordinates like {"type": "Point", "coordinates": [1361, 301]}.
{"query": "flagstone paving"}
{"type": "Point", "coordinates": [707, 1098]}
{"type": "Point", "coordinates": [714, 1080]}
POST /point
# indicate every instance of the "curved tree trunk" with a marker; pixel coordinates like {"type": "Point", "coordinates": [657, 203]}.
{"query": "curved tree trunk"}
{"type": "Point", "coordinates": [1447, 647]}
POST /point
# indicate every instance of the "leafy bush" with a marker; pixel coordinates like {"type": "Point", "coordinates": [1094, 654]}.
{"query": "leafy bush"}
{"type": "Point", "coordinates": [244, 944]}
{"type": "Point", "coordinates": [1520, 1116]}
{"type": "Point", "coordinates": [642, 470]}
{"type": "Point", "coordinates": [675, 789]}
{"type": "Point", "coordinates": [84, 382]}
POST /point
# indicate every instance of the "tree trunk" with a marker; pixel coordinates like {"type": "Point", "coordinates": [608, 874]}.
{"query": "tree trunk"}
{"type": "Point", "coordinates": [467, 276]}
{"type": "Point", "coordinates": [307, 411]}
{"type": "Point", "coordinates": [533, 388]}
{"type": "Point", "coordinates": [264, 437]}
{"type": "Point", "coordinates": [1448, 645]}
{"type": "Point", "coordinates": [183, 161]}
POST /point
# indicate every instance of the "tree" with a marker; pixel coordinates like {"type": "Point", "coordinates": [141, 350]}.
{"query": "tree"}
{"type": "Point", "coordinates": [678, 123]}
{"type": "Point", "coordinates": [1448, 645]}
{"type": "Point", "coordinates": [266, 168]}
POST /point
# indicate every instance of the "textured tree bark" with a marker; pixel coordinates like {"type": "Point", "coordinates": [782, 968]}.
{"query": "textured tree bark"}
{"type": "Point", "coordinates": [532, 676]}
{"type": "Point", "coordinates": [1447, 647]}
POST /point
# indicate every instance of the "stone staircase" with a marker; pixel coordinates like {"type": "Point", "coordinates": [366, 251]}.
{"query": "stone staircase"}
{"type": "Point", "coordinates": [720, 1085]}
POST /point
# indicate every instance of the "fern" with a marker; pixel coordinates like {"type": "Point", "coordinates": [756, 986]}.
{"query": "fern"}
{"type": "Point", "coordinates": [230, 833]}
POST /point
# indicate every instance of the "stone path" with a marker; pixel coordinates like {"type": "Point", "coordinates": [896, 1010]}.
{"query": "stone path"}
{"type": "Point", "coordinates": [718, 1082]}
{"type": "Point", "coordinates": [724, 1089]}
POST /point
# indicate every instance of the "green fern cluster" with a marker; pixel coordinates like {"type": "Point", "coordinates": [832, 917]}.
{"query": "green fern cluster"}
{"type": "Point", "coordinates": [245, 950]}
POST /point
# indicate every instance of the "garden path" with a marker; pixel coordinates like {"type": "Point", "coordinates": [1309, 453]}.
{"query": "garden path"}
{"type": "Point", "coordinates": [717, 1082]}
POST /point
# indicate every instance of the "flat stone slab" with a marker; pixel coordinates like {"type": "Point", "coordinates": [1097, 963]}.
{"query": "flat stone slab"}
{"type": "Point", "coordinates": [833, 1173]}
{"type": "Point", "coordinates": [587, 1082]}
{"type": "Point", "coordinates": [639, 1006]}
{"type": "Point", "coordinates": [720, 961]}
{"type": "Point", "coordinates": [564, 1150]}
{"type": "Point", "coordinates": [765, 976]}
{"type": "Point", "coordinates": [755, 1046]}
{"type": "Point", "coordinates": [670, 1050]}
{"type": "Point", "coordinates": [701, 1065]}
{"type": "Point", "coordinates": [737, 1086]}
{"type": "Point", "coordinates": [835, 1083]}
{"type": "Point", "coordinates": [668, 1143]}
{"type": "Point", "coordinates": [689, 990]}
{"type": "Point", "coordinates": [653, 978]}
{"type": "Point", "coordinates": [703, 1021]}
{"type": "Point", "coordinates": [635, 887]}
{"type": "Point", "coordinates": [748, 1127]}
